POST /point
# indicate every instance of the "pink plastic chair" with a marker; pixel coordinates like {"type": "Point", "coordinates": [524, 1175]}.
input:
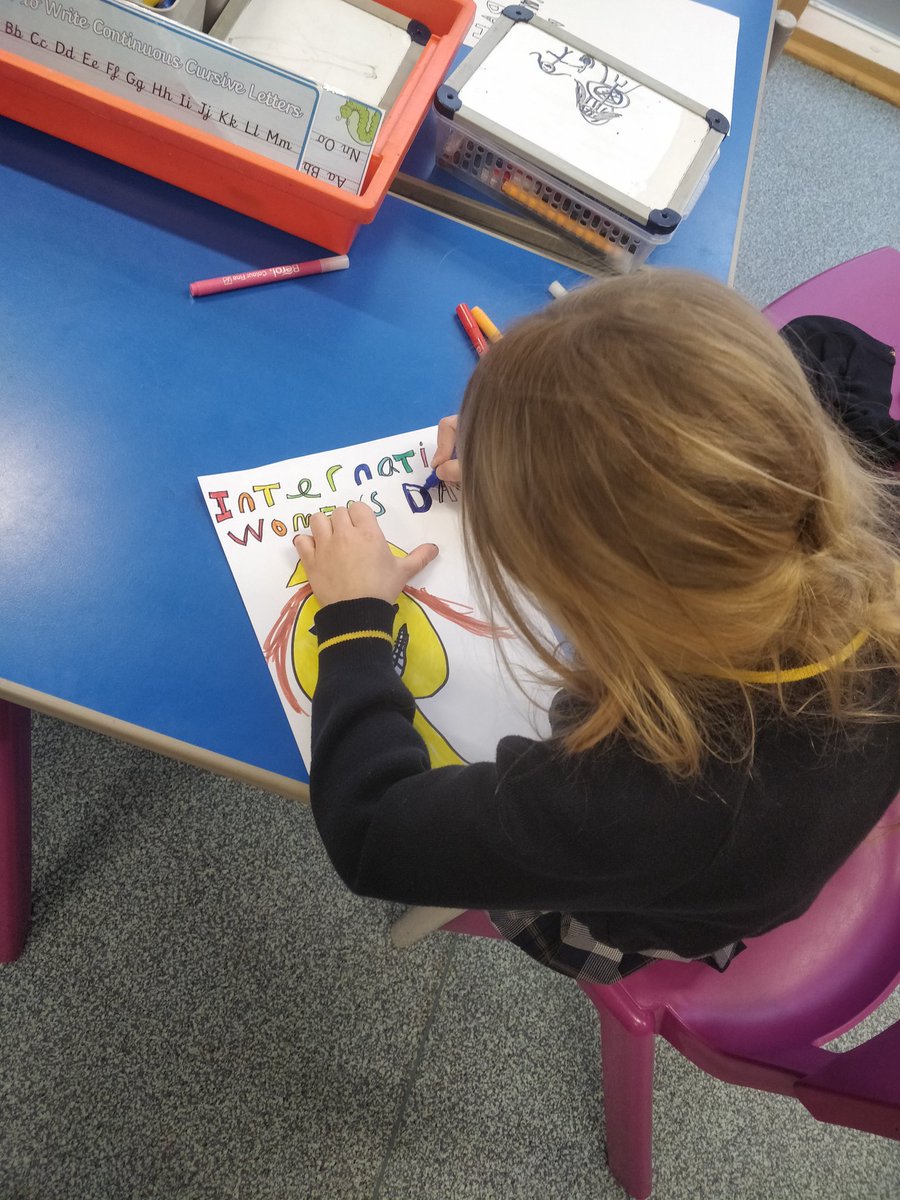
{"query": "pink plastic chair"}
{"type": "Point", "coordinates": [762, 1023]}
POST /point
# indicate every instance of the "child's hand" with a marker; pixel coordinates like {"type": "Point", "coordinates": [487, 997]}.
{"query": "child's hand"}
{"type": "Point", "coordinates": [444, 462]}
{"type": "Point", "coordinates": [348, 558]}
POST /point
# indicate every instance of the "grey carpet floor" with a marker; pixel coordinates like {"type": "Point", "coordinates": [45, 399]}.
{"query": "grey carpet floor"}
{"type": "Point", "coordinates": [204, 1013]}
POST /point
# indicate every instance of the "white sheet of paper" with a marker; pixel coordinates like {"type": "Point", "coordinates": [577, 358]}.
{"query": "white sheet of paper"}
{"type": "Point", "coordinates": [690, 47]}
{"type": "Point", "coordinates": [601, 122]}
{"type": "Point", "coordinates": [328, 41]}
{"type": "Point", "coordinates": [462, 691]}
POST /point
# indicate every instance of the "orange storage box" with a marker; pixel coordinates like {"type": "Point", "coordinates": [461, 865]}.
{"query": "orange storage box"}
{"type": "Point", "coordinates": [228, 174]}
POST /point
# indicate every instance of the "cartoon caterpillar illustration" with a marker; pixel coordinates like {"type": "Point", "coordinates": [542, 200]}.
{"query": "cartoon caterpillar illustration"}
{"type": "Point", "coordinates": [366, 121]}
{"type": "Point", "coordinates": [419, 656]}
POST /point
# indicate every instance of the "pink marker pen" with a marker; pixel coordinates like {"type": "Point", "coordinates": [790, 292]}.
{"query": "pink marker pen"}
{"type": "Point", "coordinates": [227, 283]}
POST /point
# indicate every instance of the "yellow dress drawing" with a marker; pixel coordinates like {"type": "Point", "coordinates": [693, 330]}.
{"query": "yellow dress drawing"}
{"type": "Point", "coordinates": [420, 658]}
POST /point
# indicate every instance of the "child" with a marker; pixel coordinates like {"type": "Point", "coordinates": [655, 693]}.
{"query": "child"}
{"type": "Point", "coordinates": [646, 462]}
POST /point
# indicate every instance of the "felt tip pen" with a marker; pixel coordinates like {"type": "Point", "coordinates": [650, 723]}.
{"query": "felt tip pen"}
{"type": "Point", "coordinates": [476, 337]}
{"type": "Point", "coordinates": [486, 325]}
{"type": "Point", "coordinates": [590, 237]}
{"type": "Point", "coordinates": [229, 283]}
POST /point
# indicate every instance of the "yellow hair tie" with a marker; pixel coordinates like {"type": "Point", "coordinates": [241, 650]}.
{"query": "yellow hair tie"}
{"type": "Point", "coordinates": [794, 674]}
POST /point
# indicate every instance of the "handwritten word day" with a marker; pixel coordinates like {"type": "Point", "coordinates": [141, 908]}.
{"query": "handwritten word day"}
{"type": "Point", "coordinates": [295, 501]}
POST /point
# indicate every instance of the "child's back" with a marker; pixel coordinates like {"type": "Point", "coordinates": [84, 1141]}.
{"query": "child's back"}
{"type": "Point", "coordinates": [646, 462]}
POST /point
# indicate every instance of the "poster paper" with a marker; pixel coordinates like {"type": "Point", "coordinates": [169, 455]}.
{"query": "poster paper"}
{"type": "Point", "coordinates": [445, 650]}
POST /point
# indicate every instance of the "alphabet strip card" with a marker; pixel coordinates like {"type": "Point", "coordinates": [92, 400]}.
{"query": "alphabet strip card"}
{"type": "Point", "coordinates": [472, 680]}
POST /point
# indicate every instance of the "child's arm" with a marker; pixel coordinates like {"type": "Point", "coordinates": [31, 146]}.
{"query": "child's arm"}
{"type": "Point", "coordinates": [393, 827]}
{"type": "Point", "coordinates": [509, 834]}
{"type": "Point", "coordinates": [532, 830]}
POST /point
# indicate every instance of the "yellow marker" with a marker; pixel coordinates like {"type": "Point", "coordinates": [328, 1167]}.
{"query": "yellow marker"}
{"type": "Point", "coordinates": [486, 325]}
{"type": "Point", "coordinates": [556, 217]}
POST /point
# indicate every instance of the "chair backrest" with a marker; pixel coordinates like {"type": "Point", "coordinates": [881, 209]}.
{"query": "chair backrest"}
{"type": "Point", "coordinates": [762, 1022]}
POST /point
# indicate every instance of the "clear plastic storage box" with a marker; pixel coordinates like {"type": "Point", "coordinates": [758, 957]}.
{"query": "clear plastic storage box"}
{"type": "Point", "coordinates": [582, 141]}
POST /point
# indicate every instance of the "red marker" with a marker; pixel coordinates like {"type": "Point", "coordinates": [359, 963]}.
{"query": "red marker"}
{"type": "Point", "coordinates": [227, 283]}
{"type": "Point", "coordinates": [470, 325]}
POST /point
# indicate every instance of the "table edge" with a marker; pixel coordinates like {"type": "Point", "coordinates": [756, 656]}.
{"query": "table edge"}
{"type": "Point", "coordinates": [159, 743]}
{"type": "Point", "coordinates": [760, 91]}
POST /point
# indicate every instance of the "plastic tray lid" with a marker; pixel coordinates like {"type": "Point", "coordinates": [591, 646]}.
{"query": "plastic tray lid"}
{"type": "Point", "coordinates": [599, 124]}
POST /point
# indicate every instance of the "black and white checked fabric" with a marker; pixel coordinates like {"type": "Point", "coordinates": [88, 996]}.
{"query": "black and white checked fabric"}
{"type": "Point", "coordinates": [565, 944]}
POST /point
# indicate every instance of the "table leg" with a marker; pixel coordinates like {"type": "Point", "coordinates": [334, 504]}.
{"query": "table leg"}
{"type": "Point", "coordinates": [15, 829]}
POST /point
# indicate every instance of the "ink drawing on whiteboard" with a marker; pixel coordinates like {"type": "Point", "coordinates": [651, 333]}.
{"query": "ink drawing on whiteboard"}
{"type": "Point", "coordinates": [599, 99]}
{"type": "Point", "coordinates": [358, 48]}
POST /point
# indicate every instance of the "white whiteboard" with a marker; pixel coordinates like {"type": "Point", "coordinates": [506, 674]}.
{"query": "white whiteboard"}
{"type": "Point", "coordinates": [329, 41]}
{"type": "Point", "coordinates": [607, 126]}
{"type": "Point", "coordinates": [690, 47]}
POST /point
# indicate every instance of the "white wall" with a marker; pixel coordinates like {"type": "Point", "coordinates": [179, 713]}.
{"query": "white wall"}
{"type": "Point", "coordinates": [885, 14]}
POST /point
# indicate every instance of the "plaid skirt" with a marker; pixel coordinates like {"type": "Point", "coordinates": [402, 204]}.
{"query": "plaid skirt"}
{"type": "Point", "coordinates": [565, 944]}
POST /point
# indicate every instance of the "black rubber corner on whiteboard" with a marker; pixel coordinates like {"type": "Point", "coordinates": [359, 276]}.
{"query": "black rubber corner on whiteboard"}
{"type": "Point", "coordinates": [419, 34]}
{"type": "Point", "coordinates": [447, 101]}
{"type": "Point", "coordinates": [718, 121]}
{"type": "Point", "coordinates": [663, 220]}
{"type": "Point", "coordinates": [518, 12]}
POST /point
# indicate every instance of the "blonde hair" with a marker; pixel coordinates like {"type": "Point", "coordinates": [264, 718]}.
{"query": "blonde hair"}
{"type": "Point", "coordinates": [644, 460]}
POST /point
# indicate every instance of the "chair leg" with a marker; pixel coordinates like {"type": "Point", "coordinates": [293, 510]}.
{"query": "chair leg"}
{"type": "Point", "coordinates": [15, 829]}
{"type": "Point", "coordinates": [628, 1101]}
{"type": "Point", "coordinates": [417, 922]}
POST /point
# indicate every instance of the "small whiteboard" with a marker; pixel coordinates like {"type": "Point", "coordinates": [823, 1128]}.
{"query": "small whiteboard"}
{"type": "Point", "coordinates": [687, 46]}
{"type": "Point", "coordinates": [355, 47]}
{"type": "Point", "coordinates": [573, 111]}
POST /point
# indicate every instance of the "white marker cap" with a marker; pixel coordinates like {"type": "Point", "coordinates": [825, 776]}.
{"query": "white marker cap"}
{"type": "Point", "coordinates": [556, 289]}
{"type": "Point", "coordinates": [339, 263]}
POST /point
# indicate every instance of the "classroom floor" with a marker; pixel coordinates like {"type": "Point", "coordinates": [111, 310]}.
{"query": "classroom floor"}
{"type": "Point", "coordinates": [204, 1013]}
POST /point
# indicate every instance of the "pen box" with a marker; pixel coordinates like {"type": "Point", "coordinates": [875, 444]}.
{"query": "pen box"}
{"type": "Point", "coordinates": [163, 146]}
{"type": "Point", "coordinates": [584, 141]}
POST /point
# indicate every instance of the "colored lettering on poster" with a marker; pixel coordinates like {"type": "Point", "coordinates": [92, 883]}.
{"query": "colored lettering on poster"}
{"type": "Point", "coordinates": [295, 517]}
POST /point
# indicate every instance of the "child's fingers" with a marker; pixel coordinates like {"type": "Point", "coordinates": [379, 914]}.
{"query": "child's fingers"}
{"type": "Point", "coordinates": [320, 527]}
{"type": "Point", "coordinates": [306, 550]}
{"type": "Point", "coordinates": [446, 442]}
{"type": "Point", "coordinates": [418, 559]}
{"type": "Point", "coordinates": [449, 471]}
{"type": "Point", "coordinates": [361, 516]}
{"type": "Point", "coordinates": [340, 519]}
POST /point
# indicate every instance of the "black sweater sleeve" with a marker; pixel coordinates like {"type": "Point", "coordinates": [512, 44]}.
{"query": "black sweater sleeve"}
{"type": "Point", "coordinates": [487, 835]}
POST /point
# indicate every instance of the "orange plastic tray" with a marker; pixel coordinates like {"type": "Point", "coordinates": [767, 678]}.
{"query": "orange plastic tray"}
{"type": "Point", "coordinates": [228, 174]}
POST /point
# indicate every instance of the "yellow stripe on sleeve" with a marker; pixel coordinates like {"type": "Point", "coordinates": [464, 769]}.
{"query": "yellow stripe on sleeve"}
{"type": "Point", "coordinates": [355, 637]}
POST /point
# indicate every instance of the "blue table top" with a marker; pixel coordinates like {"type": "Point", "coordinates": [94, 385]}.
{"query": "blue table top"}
{"type": "Point", "coordinates": [119, 390]}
